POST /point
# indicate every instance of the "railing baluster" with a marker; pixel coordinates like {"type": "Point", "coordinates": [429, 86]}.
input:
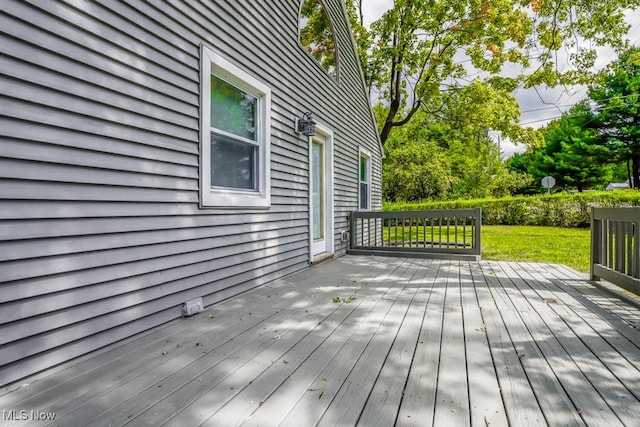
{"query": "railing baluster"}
{"type": "Point", "coordinates": [464, 232]}
{"type": "Point", "coordinates": [455, 235]}
{"type": "Point", "coordinates": [431, 238]}
{"type": "Point", "coordinates": [636, 251]}
{"type": "Point", "coordinates": [396, 238]}
{"type": "Point", "coordinates": [610, 245]}
{"type": "Point", "coordinates": [424, 232]}
{"type": "Point", "coordinates": [628, 253]}
{"type": "Point", "coordinates": [619, 251]}
{"type": "Point", "coordinates": [410, 232]}
{"type": "Point", "coordinates": [375, 232]}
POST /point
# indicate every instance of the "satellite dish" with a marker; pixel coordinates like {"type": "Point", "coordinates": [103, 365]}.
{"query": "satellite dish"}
{"type": "Point", "coordinates": [548, 182]}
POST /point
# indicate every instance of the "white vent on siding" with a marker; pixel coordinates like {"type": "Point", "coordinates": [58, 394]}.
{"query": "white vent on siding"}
{"type": "Point", "coordinates": [192, 307]}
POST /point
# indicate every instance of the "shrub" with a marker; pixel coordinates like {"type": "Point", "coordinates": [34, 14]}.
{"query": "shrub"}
{"type": "Point", "coordinates": [559, 210]}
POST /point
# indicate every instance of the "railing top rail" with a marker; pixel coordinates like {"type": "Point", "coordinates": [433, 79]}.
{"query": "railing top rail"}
{"type": "Point", "coordinates": [433, 213]}
{"type": "Point", "coordinates": [631, 213]}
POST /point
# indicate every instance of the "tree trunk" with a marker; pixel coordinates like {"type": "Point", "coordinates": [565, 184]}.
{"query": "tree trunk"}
{"type": "Point", "coordinates": [635, 171]}
{"type": "Point", "coordinates": [388, 123]}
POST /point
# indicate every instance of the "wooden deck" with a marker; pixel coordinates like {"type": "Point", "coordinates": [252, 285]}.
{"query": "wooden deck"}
{"type": "Point", "coordinates": [369, 341]}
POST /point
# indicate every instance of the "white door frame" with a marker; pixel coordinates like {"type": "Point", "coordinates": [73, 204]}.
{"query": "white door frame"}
{"type": "Point", "coordinates": [325, 247]}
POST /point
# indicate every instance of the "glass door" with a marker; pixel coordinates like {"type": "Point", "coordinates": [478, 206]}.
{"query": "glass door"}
{"type": "Point", "coordinates": [318, 199]}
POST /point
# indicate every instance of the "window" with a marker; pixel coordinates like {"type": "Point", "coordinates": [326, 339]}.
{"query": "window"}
{"type": "Point", "coordinates": [235, 133]}
{"type": "Point", "coordinates": [316, 34]}
{"type": "Point", "coordinates": [364, 176]}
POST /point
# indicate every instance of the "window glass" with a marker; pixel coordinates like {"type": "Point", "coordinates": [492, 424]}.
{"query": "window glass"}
{"type": "Point", "coordinates": [317, 190]}
{"type": "Point", "coordinates": [232, 110]}
{"type": "Point", "coordinates": [316, 34]}
{"type": "Point", "coordinates": [364, 182]}
{"type": "Point", "coordinates": [364, 195]}
{"type": "Point", "coordinates": [233, 163]}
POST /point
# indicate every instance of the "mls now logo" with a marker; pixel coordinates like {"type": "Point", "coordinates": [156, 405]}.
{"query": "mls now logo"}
{"type": "Point", "coordinates": [15, 415]}
{"type": "Point", "coordinates": [12, 415]}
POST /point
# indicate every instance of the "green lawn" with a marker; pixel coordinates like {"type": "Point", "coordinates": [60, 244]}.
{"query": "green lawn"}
{"type": "Point", "coordinates": [569, 246]}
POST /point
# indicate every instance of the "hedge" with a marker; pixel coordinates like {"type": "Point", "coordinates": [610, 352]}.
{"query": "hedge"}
{"type": "Point", "coordinates": [559, 210]}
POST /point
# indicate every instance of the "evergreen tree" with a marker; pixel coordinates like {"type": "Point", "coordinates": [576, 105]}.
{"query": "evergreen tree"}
{"type": "Point", "coordinates": [574, 153]}
{"type": "Point", "coordinates": [618, 112]}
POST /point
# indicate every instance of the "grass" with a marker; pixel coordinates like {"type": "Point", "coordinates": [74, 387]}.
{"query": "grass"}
{"type": "Point", "coordinates": [569, 246]}
{"type": "Point", "coordinates": [556, 245]}
{"type": "Point", "coordinates": [427, 233]}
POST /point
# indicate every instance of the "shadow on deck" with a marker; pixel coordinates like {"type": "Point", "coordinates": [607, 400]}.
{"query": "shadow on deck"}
{"type": "Point", "coordinates": [370, 341]}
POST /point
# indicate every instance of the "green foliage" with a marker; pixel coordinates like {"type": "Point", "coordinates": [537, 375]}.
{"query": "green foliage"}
{"type": "Point", "coordinates": [348, 300]}
{"type": "Point", "coordinates": [451, 156]}
{"type": "Point", "coordinates": [316, 34]}
{"type": "Point", "coordinates": [589, 149]}
{"type": "Point", "coordinates": [232, 109]}
{"type": "Point", "coordinates": [618, 113]}
{"type": "Point", "coordinates": [415, 47]}
{"type": "Point", "coordinates": [415, 171]}
{"type": "Point", "coordinates": [573, 153]}
{"type": "Point", "coordinates": [559, 210]}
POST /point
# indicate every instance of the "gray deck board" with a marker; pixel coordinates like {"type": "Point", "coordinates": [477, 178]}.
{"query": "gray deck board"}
{"type": "Point", "coordinates": [486, 404]}
{"type": "Point", "coordinates": [419, 400]}
{"type": "Point", "coordinates": [587, 333]}
{"type": "Point", "coordinates": [260, 389]}
{"type": "Point", "coordinates": [597, 372]}
{"type": "Point", "coordinates": [315, 401]}
{"type": "Point", "coordinates": [354, 393]}
{"type": "Point", "coordinates": [280, 403]}
{"type": "Point", "coordinates": [422, 342]}
{"type": "Point", "coordinates": [520, 401]}
{"type": "Point", "coordinates": [452, 393]}
{"type": "Point", "coordinates": [552, 395]}
{"type": "Point", "coordinates": [384, 401]}
{"type": "Point", "coordinates": [588, 402]}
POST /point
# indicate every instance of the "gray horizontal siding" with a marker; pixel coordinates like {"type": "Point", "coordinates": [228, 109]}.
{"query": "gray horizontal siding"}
{"type": "Point", "coordinates": [17, 229]}
{"type": "Point", "coordinates": [37, 248]}
{"type": "Point", "coordinates": [101, 233]}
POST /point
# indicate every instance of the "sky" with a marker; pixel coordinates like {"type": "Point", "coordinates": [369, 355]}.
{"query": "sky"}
{"type": "Point", "coordinates": [538, 105]}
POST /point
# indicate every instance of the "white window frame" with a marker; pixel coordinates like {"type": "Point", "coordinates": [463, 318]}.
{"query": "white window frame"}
{"type": "Point", "coordinates": [212, 62]}
{"type": "Point", "coordinates": [362, 152]}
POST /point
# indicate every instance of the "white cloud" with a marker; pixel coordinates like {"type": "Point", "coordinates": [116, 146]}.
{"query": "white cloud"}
{"type": "Point", "coordinates": [372, 10]}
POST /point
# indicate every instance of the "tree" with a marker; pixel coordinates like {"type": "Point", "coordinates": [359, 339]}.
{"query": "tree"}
{"type": "Point", "coordinates": [618, 114]}
{"type": "Point", "coordinates": [415, 171]}
{"type": "Point", "coordinates": [316, 34]}
{"type": "Point", "coordinates": [574, 153]}
{"type": "Point", "coordinates": [449, 154]}
{"type": "Point", "coordinates": [518, 164]}
{"type": "Point", "coordinates": [415, 48]}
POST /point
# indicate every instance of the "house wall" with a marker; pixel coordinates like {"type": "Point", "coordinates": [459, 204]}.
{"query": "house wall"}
{"type": "Point", "coordinates": [101, 233]}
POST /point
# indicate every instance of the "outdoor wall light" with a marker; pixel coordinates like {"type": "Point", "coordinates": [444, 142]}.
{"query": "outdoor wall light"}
{"type": "Point", "coordinates": [306, 125]}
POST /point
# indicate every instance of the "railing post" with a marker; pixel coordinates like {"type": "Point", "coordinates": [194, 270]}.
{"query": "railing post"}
{"type": "Point", "coordinates": [478, 236]}
{"type": "Point", "coordinates": [595, 243]}
{"type": "Point", "coordinates": [352, 230]}
{"type": "Point", "coordinates": [636, 250]}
